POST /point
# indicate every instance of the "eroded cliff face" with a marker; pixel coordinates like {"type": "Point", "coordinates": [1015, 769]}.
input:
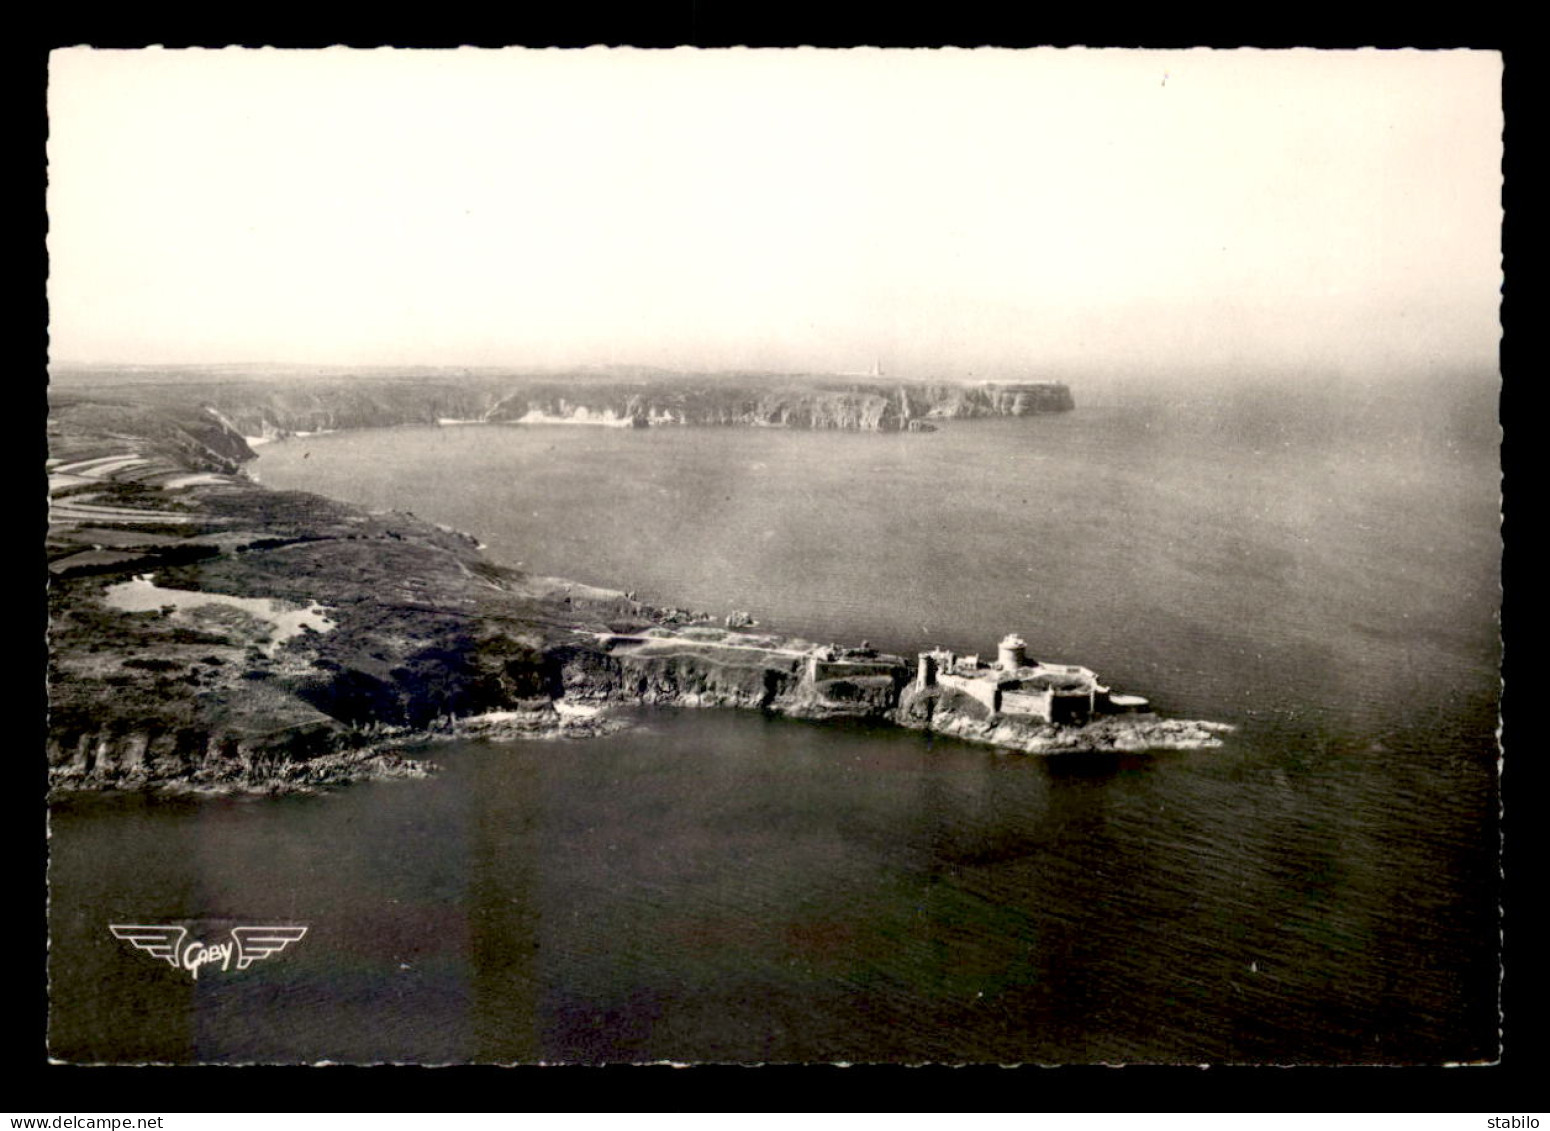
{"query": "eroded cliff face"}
{"type": "Point", "coordinates": [269, 409]}
{"type": "Point", "coordinates": [967, 401]}
{"type": "Point", "coordinates": [852, 407]}
{"type": "Point", "coordinates": [854, 410]}
{"type": "Point", "coordinates": [217, 761]}
{"type": "Point", "coordinates": [687, 679]}
{"type": "Point", "coordinates": [184, 436]}
{"type": "Point", "coordinates": [698, 675]}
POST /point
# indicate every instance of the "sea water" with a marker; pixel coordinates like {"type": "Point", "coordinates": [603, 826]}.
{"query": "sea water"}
{"type": "Point", "coordinates": [1322, 571]}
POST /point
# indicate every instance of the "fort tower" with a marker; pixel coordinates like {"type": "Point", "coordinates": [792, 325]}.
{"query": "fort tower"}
{"type": "Point", "coordinates": [1013, 654]}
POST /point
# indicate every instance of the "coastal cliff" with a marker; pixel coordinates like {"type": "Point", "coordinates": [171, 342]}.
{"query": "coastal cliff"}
{"type": "Point", "coordinates": [261, 409]}
{"type": "Point", "coordinates": [866, 407]}
{"type": "Point", "coordinates": [209, 633]}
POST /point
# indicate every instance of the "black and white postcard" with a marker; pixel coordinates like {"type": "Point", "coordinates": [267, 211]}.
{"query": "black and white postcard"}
{"type": "Point", "coordinates": [766, 556]}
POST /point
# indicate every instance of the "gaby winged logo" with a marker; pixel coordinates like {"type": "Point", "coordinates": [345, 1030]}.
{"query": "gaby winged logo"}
{"type": "Point", "coordinates": [246, 945]}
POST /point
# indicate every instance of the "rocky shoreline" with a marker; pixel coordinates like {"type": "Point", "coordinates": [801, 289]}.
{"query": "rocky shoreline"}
{"type": "Point", "coordinates": [1129, 735]}
{"type": "Point", "coordinates": [318, 774]}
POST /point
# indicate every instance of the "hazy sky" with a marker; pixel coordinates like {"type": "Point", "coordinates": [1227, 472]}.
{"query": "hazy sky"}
{"type": "Point", "coordinates": [949, 213]}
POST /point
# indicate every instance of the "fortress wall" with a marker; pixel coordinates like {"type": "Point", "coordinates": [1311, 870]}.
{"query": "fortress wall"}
{"type": "Point", "coordinates": [1069, 669]}
{"type": "Point", "coordinates": [853, 669]}
{"type": "Point", "coordinates": [1071, 708]}
{"type": "Point", "coordinates": [1035, 703]}
{"type": "Point", "coordinates": [982, 689]}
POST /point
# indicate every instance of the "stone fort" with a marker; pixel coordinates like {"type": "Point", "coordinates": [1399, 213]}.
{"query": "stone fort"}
{"type": "Point", "coordinates": [1014, 685]}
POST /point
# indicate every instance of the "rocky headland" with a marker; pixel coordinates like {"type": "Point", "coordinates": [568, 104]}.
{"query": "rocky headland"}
{"type": "Point", "coordinates": [207, 633]}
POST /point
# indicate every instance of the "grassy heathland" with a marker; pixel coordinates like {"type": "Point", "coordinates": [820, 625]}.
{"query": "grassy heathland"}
{"type": "Point", "coordinates": [420, 628]}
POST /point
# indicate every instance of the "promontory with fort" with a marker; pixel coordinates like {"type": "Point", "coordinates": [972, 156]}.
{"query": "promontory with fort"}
{"type": "Point", "coordinates": [207, 632]}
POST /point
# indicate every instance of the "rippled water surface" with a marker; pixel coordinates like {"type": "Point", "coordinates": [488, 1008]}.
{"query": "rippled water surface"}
{"type": "Point", "coordinates": [721, 886]}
